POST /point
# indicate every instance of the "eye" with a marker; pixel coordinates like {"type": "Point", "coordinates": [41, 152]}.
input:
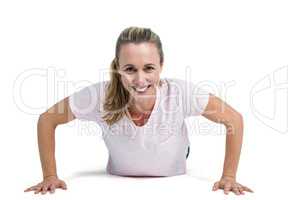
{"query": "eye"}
{"type": "Point", "coordinates": [149, 68]}
{"type": "Point", "coordinates": [129, 69]}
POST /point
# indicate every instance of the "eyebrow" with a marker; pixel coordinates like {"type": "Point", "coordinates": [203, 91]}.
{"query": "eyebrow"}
{"type": "Point", "coordinates": [131, 65]}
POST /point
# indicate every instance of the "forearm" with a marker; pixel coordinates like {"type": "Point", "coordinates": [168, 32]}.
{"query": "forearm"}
{"type": "Point", "coordinates": [234, 138]}
{"type": "Point", "coordinates": [46, 143]}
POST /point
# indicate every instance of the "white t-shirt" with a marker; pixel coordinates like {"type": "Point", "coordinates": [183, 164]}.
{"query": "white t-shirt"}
{"type": "Point", "coordinates": [157, 148]}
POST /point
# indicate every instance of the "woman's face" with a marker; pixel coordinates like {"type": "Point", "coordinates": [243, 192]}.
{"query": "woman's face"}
{"type": "Point", "coordinates": [140, 68]}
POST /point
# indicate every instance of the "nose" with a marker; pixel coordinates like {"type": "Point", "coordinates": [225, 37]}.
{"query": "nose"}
{"type": "Point", "coordinates": [140, 79]}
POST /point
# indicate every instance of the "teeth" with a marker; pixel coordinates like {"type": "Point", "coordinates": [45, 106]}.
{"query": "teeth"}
{"type": "Point", "coordinates": [141, 89]}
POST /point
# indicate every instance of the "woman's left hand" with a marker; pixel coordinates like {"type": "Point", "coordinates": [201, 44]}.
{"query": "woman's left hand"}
{"type": "Point", "coordinates": [229, 184]}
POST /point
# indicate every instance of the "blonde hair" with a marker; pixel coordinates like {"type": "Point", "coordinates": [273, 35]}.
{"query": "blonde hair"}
{"type": "Point", "coordinates": [117, 97]}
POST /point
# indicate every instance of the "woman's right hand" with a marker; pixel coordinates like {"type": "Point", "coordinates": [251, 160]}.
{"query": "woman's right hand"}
{"type": "Point", "coordinates": [48, 184]}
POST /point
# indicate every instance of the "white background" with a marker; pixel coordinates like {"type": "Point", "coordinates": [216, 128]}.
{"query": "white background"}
{"type": "Point", "coordinates": [68, 44]}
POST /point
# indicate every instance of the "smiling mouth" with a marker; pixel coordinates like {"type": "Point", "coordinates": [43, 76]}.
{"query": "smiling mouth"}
{"type": "Point", "coordinates": [141, 90]}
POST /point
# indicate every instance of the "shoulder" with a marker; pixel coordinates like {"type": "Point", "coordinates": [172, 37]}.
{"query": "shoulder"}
{"type": "Point", "coordinates": [183, 85]}
{"type": "Point", "coordinates": [100, 85]}
{"type": "Point", "coordinates": [173, 80]}
{"type": "Point", "coordinates": [176, 85]}
{"type": "Point", "coordinates": [86, 102]}
{"type": "Point", "coordinates": [93, 90]}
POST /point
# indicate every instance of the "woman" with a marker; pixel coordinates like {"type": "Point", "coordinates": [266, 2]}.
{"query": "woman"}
{"type": "Point", "coordinates": [142, 117]}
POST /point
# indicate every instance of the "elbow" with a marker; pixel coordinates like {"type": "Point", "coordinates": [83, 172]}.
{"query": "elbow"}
{"type": "Point", "coordinates": [238, 123]}
{"type": "Point", "coordinates": [239, 117]}
{"type": "Point", "coordinates": [46, 119]}
{"type": "Point", "coordinates": [235, 121]}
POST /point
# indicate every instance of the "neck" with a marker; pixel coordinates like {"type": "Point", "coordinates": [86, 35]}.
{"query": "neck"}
{"type": "Point", "coordinates": [142, 106]}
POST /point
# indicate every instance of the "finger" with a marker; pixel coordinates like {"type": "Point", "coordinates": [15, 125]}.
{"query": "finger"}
{"type": "Point", "coordinates": [241, 189]}
{"type": "Point", "coordinates": [52, 188]}
{"type": "Point", "coordinates": [227, 188]}
{"type": "Point", "coordinates": [236, 190]}
{"type": "Point", "coordinates": [216, 186]}
{"type": "Point", "coordinates": [63, 185]}
{"type": "Point", "coordinates": [44, 189]}
{"type": "Point", "coordinates": [30, 189]}
{"type": "Point", "coordinates": [37, 190]}
{"type": "Point", "coordinates": [247, 189]}
{"type": "Point", "coordinates": [34, 187]}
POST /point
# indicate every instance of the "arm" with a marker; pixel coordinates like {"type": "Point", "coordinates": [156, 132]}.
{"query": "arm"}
{"type": "Point", "coordinates": [59, 113]}
{"type": "Point", "coordinates": [220, 112]}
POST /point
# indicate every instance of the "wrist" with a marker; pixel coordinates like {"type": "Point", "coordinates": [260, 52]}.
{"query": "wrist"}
{"type": "Point", "coordinates": [50, 176]}
{"type": "Point", "coordinates": [231, 176]}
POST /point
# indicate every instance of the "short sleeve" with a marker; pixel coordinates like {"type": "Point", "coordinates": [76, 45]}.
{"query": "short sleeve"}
{"type": "Point", "coordinates": [195, 99]}
{"type": "Point", "coordinates": [86, 104]}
